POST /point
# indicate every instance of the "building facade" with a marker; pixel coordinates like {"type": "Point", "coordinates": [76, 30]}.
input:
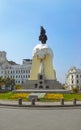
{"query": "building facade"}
{"type": "Point", "coordinates": [73, 78]}
{"type": "Point", "coordinates": [20, 73]}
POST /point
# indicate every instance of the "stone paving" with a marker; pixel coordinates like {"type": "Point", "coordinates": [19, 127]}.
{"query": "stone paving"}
{"type": "Point", "coordinates": [36, 119]}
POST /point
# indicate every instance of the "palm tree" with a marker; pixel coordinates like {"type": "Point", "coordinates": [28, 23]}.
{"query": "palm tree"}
{"type": "Point", "coordinates": [12, 84]}
{"type": "Point", "coordinates": [9, 83]}
{"type": "Point", "coordinates": [1, 82]}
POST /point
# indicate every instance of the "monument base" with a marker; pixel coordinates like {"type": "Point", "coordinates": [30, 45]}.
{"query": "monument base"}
{"type": "Point", "coordinates": [41, 91]}
{"type": "Point", "coordinates": [42, 84]}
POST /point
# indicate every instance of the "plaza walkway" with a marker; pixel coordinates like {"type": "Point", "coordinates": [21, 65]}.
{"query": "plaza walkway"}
{"type": "Point", "coordinates": [51, 104]}
{"type": "Point", "coordinates": [40, 119]}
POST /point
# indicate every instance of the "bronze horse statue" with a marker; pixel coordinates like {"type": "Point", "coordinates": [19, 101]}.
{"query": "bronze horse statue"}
{"type": "Point", "coordinates": [42, 37]}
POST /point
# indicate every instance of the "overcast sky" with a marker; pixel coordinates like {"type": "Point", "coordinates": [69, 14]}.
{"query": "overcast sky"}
{"type": "Point", "coordinates": [20, 22]}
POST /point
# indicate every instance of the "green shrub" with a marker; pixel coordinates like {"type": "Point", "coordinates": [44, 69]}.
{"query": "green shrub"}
{"type": "Point", "coordinates": [75, 90]}
{"type": "Point", "coordinates": [18, 86]}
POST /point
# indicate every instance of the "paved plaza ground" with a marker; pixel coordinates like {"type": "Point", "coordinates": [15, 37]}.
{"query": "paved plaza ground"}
{"type": "Point", "coordinates": [40, 119]}
{"type": "Point", "coordinates": [9, 102]}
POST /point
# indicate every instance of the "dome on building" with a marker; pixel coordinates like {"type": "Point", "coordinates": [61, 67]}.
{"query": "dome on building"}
{"type": "Point", "coordinates": [41, 50]}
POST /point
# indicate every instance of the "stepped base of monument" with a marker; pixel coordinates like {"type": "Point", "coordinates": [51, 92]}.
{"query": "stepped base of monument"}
{"type": "Point", "coordinates": [41, 91]}
{"type": "Point", "coordinates": [42, 85]}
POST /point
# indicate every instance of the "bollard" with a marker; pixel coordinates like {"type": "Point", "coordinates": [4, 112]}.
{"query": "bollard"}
{"type": "Point", "coordinates": [74, 101]}
{"type": "Point", "coordinates": [62, 101]}
{"type": "Point", "coordinates": [33, 101]}
{"type": "Point", "coordinates": [20, 101]}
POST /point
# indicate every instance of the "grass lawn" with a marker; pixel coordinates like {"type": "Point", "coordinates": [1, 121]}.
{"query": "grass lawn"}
{"type": "Point", "coordinates": [70, 97]}
{"type": "Point", "coordinates": [5, 96]}
{"type": "Point", "coordinates": [13, 96]}
{"type": "Point", "coordinates": [9, 95]}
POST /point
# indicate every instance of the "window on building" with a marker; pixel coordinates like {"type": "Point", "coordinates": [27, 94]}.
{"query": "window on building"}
{"type": "Point", "coordinates": [22, 82]}
{"type": "Point", "coordinates": [47, 86]}
{"type": "Point", "coordinates": [36, 85]}
{"type": "Point", "coordinates": [41, 77]}
{"type": "Point", "coordinates": [23, 76]}
{"type": "Point", "coordinates": [77, 76]}
{"type": "Point", "coordinates": [72, 81]}
{"type": "Point", "coordinates": [72, 76]}
{"type": "Point", "coordinates": [18, 81]}
{"type": "Point", "coordinates": [80, 76]}
{"type": "Point", "coordinates": [40, 82]}
{"type": "Point", "coordinates": [26, 71]}
{"type": "Point", "coordinates": [77, 81]}
{"type": "Point", "coordinates": [23, 71]}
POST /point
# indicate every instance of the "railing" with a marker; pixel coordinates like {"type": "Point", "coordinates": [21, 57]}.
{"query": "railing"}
{"type": "Point", "coordinates": [36, 103]}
